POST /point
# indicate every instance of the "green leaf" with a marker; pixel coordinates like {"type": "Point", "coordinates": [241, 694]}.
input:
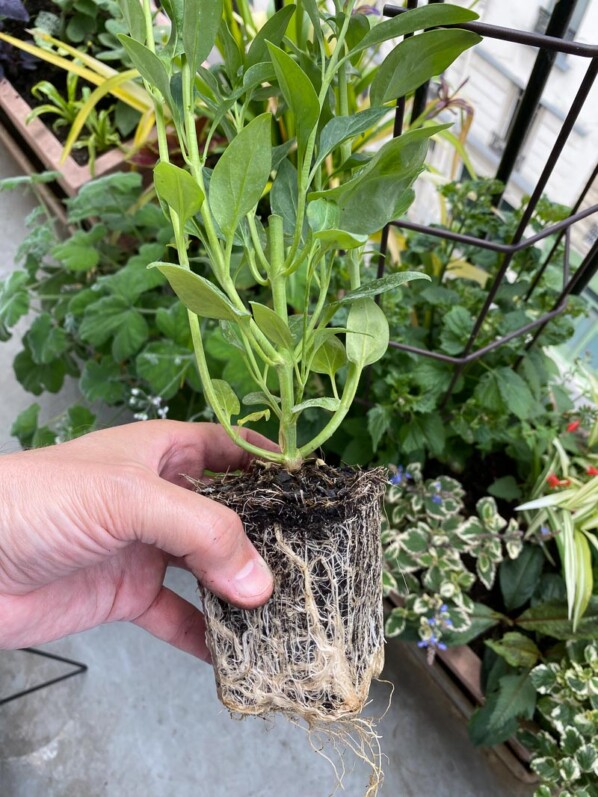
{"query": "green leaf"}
{"type": "Point", "coordinates": [25, 425]}
{"type": "Point", "coordinates": [113, 317]}
{"type": "Point", "coordinates": [487, 393]}
{"type": "Point", "coordinates": [130, 282]}
{"type": "Point", "coordinates": [284, 196]}
{"type": "Point", "coordinates": [482, 619]}
{"type": "Point", "coordinates": [253, 417]}
{"type": "Point", "coordinates": [328, 404]}
{"type": "Point", "coordinates": [381, 191]}
{"type": "Point", "coordinates": [101, 381]}
{"type": "Point", "coordinates": [323, 214]}
{"type": "Point", "coordinates": [324, 218]}
{"type": "Point", "coordinates": [178, 190]}
{"type": "Point", "coordinates": [133, 16]}
{"type": "Point", "coordinates": [389, 283]}
{"type": "Point", "coordinates": [272, 31]}
{"type": "Point", "coordinates": [457, 325]}
{"type": "Point", "coordinates": [131, 335]}
{"type": "Point", "coordinates": [515, 393]}
{"type": "Point", "coordinates": [240, 176]}
{"type": "Point", "coordinates": [343, 128]}
{"type": "Point", "coordinates": [46, 341]}
{"type": "Point", "coordinates": [368, 336]}
{"type": "Point", "coordinates": [149, 66]}
{"type": "Point", "coordinates": [225, 398]}
{"type": "Point", "coordinates": [516, 698]}
{"type": "Point", "coordinates": [163, 365]}
{"type": "Point", "coordinates": [37, 378]}
{"type": "Point", "coordinates": [395, 623]}
{"type": "Point", "coordinates": [506, 487]}
{"type": "Point", "coordinates": [299, 95]}
{"type": "Point", "coordinates": [14, 298]}
{"type": "Point", "coordinates": [79, 420]}
{"type": "Point", "coordinates": [552, 619]}
{"type": "Point", "coordinates": [255, 398]}
{"type": "Point", "coordinates": [389, 583]}
{"type": "Point", "coordinates": [329, 357]}
{"type": "Point", "coordinates": [379, 421]}
{"type": "Point", "coordinates": [201, 21]}
{"type": "Point", "coordinates": [425, 17]}
{"type": "Point", "coordinates": [414, 61]}
{"type": "Point", "coordinates": [174, 323]}
{"type": "Point", "coordinates": [79, 251]}
{"type": "Point", "coordinates": [198, 294]}
{"type": "Point", "coordinates": [273, 327]}
{"type": "Point", "coordinates": [482, 732]}
{"type": "Point", "coordinates": [519, 577]}
{"type": "Point", "coordinates": [516, 649]}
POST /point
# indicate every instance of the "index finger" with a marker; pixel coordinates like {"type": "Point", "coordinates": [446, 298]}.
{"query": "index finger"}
{"type": "Point", "coordinates": [195, 447]}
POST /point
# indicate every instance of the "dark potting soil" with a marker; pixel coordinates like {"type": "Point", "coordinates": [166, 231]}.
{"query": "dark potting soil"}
{"type": "Point", "coordinates": [306, 499]}
{"type": "Point", "coordinates": [23, 80]}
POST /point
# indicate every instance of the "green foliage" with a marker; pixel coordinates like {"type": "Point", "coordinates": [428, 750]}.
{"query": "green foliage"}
{"type": "Point", "coordinates": [504, 403]}
{"type": "Point", "coordinates": [435, 554]}
{"type": "Point", "coordinates": [98, 313]}
{"type": "Point", "coordinates": [100, 133]}
{"type": "Point", "coordinates": [291, 217]}
{"type": "Point", "coordinates": [565, 754]}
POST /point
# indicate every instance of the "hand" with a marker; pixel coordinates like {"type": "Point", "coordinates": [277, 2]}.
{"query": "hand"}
{"type": "Point", "coordinates": [88, 528]}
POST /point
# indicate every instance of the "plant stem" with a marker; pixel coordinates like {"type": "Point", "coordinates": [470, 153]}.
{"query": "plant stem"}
{"type": "Point", "coordinates": [200, 357]}
{"type": "Point", "coordinates": [347, 398]}
{"type": "Point", "coordinates": [288, 420]}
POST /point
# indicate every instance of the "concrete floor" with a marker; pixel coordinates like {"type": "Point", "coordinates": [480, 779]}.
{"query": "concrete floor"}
{"type": "Point", "coordinates": [144, 721]}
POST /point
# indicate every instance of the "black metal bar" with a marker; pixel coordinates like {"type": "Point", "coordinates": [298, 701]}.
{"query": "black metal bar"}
{"type": "Point", "coordinates": [79, 668]}
{"type": "Point", "coordinates": [530, 100]}
{"type": "Point", "coordinates": [482, 243]}
{"type": "Point", "coordinates": [475, 355]}
{"type": "Point", "coordinates": [576, 106]}
{"type": "Point", "coordinates": [586, 270]}
{"type": "Point", "coordinates": [516, 36]}
{"type": "Point", "coordinates": [420, 98]}
{"type": "Point", "coordinates": [548, 258]}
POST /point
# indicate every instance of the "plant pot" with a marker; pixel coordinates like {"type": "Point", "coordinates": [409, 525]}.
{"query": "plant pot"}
{"type": "Point", "coordinates": [314, 648]}
{"type": "Point", "coordinates": [41, 147]}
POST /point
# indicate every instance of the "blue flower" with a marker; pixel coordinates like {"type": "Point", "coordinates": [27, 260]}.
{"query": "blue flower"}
{"type": "Point", "coordinates": [400, 476]}
{"type": "Point", "coordinates": [437, 499]}
{"type": "Point", "coordinates": [544, 531]}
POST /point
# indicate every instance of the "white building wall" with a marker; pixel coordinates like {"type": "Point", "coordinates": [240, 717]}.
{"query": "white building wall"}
{"type": "Point", "coordinates": [497, 71]}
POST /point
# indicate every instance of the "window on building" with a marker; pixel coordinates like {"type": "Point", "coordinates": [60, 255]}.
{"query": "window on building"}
{"type": "Point", "coordinates": [544, 14]}
{"type": "Point", "coordinates": [500, 137]}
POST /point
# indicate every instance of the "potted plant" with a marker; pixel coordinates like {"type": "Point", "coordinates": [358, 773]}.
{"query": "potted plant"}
{"type": "Point", "coordinates": [293, 216]}
{"type": "Point", "coordinates": [519, 592]}
{"type": "Point", "coordinates": [100, 135]}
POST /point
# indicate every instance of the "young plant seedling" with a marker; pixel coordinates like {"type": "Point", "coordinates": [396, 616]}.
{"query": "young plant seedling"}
{"type": "Point", "coordinates": [293, 212]}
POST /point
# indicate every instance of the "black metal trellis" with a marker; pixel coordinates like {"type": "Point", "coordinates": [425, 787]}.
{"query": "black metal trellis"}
{"type": "Point", "coordinates": [78, 668]}
{"type": "Point", "coordinates": [547, 44]}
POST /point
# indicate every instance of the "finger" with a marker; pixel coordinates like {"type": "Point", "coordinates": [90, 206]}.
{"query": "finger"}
{"type": "Point", "coordinates": [208, 536]}
{"type": "Point", "coordinates": [176, 621]}
{"type": "Point", "coordinates": [190, 448]}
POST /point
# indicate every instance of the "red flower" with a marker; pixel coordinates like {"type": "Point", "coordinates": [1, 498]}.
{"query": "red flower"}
{"type": "Point", "coordinates": [573, 426]}
{"type": "Point", "coordinates": [554, 481]}
{"type": "Point", "coordinates": [592, 471]}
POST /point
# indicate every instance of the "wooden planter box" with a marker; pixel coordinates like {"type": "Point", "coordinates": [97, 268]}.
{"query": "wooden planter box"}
{"type": "Point", "coordinates": [41, 148]}
{"type": "Point", "coordinates": [457, 672]}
